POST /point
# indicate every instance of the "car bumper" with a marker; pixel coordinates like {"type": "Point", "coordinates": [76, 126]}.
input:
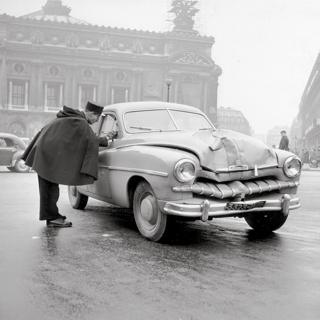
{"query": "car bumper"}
{"type": "Point", "coordinates": [211, 209]}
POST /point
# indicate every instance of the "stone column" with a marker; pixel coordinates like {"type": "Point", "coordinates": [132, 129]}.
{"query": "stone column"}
{"type": "Point", "coordinates": [40, 103]}
{"type": "Point", "coordinates": [137, 88]}
{"type": "Point", "coordinates": [107, 85]}
{"type": "Point", "coordinates": [101, 94]}
{"type": "Point", "coordinates": [3, 83]}
{"type": "Point", "coordinates": [33, 87]}
{"type": "Point", "coordinates": [205, 95]}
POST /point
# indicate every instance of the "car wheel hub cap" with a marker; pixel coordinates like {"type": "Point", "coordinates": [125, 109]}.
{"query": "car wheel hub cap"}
{"type": "Point", "coordinates": [147, 209]}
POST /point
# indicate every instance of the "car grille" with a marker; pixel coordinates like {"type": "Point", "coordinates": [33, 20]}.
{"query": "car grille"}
{"type": "Point", "coordinates": [235, 188]}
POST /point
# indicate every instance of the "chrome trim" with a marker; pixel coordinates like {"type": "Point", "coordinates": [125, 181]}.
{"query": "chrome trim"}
{"type": "Point", "coordinates": [233, 188]}
{"type": "Point", "coordinates": [226, 170]}
{"type": "Point", "coordinates": [151, 172]}
{"type": "Point", "coordinates": [217, 210]}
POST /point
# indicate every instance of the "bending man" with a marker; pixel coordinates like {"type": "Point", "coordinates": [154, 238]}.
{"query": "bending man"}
{"type": "Point", "coordinates": [65, 152]}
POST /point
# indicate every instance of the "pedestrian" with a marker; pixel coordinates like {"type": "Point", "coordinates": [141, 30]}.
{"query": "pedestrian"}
{"type": "Point", "coordinates": [284, 142]}
{"type": "Point", "coordinates": [65, 151]}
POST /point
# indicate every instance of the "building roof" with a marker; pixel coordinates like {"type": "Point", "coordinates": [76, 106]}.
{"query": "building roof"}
{"type": "Point", "coordinates": [54, 11]}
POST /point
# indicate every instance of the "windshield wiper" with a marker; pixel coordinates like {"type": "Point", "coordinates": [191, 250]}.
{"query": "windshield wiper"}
{"type": "Point", "coordinates": [141, 128]}
{"type": "Point", "coordinates": [206, 129]}
{"type": "Point", "coordinates": [144, 128]}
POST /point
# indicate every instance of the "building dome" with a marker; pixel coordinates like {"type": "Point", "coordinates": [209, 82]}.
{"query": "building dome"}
{"type": "Point", "coordinates": [54, 11]}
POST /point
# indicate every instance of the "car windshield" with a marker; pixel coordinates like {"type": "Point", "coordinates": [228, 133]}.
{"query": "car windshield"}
{"type": "Point", "coordinates": [149, 121]}
{"type": "Point", "coordinates": [162, 120]}
{"type": "Point", "coordinates": [188, 121]}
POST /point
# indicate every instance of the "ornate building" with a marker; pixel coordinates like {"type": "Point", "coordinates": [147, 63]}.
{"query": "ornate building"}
{"type": "Point", "coordinates": [233, 119]}
{"type": "Point", "coordinates": [309, 111]}
{"type": "Point", "coordinates": [49, 58]}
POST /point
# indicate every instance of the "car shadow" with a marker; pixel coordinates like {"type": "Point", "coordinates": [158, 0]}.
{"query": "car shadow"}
{"type": "Point", "coordinates": [179, 232]}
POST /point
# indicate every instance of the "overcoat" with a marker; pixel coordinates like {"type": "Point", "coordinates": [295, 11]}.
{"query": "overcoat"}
{"type": "Point", "coordinates": [66, 150]}
{"type": "Point", "coordinates": [284, 143]}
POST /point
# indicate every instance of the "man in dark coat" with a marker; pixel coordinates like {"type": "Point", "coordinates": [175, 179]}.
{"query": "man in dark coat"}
{"type": "Point", "coordinates": [65, 152]}
{"type": "Point", "coordinates": [284, 142]}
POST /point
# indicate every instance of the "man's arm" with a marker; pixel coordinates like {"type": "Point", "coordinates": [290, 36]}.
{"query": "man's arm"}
{"type": "Point", "coordinates": [105, 140]}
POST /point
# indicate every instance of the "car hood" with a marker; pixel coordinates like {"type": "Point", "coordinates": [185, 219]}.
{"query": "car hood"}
{"type": "Point", "coordinates": [216, 150]}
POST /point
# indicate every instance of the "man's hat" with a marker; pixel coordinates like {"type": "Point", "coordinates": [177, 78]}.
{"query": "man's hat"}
{"type": "Point", "coordinates": [93, 108]}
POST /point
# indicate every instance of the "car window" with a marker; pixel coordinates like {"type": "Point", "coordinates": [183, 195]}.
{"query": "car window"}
{"type": "Point", "coordinates": [2, 143]}
{"type": "Point", "coordinates": [188, 121]}
{"type": "Point", "coordinates": [109, 124]}
{"type": "Point", "coordinates": [148, 121]}
{"type": "Point", "coordinates": [9, 142]}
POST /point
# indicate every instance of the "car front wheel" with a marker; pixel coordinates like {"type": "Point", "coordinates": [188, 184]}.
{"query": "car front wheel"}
{"type": "Point", "coordinates": [151, 222]}
{"type": "Point", "coordinates": [266, 222]}
{"type": "Point", "coordinates": [77, 199]}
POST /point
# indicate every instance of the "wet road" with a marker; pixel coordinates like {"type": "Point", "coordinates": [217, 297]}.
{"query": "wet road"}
{"type": "Point", "coordinates": [103, 269]}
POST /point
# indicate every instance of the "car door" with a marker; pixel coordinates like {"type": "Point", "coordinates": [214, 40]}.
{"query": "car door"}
{"type": "Point", "coordinates": [7, 150]}
{"type": "Point", "coordinates": [101, 187]}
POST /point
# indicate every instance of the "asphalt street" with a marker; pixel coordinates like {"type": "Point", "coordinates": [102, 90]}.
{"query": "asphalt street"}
{"type": "Point", "coordinates": [102, 268]}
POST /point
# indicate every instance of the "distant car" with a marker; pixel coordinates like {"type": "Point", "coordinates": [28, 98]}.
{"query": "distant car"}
{"type": "Point", "coordinates": [169, 160]}
{"type": "Point", "coordinates": [11, 150]}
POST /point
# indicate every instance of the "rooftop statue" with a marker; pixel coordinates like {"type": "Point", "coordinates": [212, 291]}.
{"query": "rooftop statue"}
{"type": "Point", "coordinates": [184, 11]}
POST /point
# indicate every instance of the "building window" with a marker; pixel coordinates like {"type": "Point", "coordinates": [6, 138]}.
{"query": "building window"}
{"type": "Point", "coordinates": [53, 96]}
{"type": "Point", "coordinates": [86, 93]}
{"type": "Point", "coordinates": [18, 94]}
{"type": "Point", "coordinates": [119, 94]}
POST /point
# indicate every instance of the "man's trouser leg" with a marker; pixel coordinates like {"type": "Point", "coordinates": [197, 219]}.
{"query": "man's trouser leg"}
{"type": "Point", "coordinates": [49, 195]}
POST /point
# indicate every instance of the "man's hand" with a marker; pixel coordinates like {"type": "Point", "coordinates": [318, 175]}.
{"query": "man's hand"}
{"type": "Point", "coordinates": [112, 135]}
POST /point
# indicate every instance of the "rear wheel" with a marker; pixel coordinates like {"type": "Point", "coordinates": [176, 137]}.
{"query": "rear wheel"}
{"type": "Point", "coordinates": [151, 222]}
{"type": "Point", "coordinates": [77, 199]}
{"type": "Point", "coordinates": [266, 222]}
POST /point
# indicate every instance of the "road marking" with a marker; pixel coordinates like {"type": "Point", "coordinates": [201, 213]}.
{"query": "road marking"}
{"type": "Point", "coordinates": [35, 237]}
{"type": "Point", "coordinates": [107, 235]}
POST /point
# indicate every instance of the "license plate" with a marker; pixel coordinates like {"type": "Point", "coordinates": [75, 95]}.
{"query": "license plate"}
{"type": "Point", "coordinates": [243, 206]}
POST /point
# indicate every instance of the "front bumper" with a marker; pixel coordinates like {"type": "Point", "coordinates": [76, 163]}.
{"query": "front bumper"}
{"type": "Point", "coordinates": [212, 209]}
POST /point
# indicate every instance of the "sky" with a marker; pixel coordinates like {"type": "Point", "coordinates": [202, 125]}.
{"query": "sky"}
{"type": "Point", "coordinates": [266, 48]}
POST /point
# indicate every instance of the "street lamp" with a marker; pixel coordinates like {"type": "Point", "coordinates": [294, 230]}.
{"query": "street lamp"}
{"type": "Point", "coordinates": [168, 83]}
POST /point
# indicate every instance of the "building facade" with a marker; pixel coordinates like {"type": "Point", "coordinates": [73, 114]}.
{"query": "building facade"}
{"type": "Point", "coordinates": [233, 119]}
{"type": "Point", "coordinates": [49, 59]}
{"type": "Point", "coordinates": [309, 111]}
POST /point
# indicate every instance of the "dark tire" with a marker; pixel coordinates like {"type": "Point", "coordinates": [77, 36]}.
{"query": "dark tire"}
{"type": "Point", "coordinates": [77, 199]}
{"type": "Point", "coordinates": [20, 166]}
{"type": "Point", "coordinates": [266, 222]}
{"type": "Point", "coordinates": [150, 221]}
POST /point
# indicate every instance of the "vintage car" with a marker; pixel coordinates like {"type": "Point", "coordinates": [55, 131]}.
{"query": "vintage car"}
{"type": "Point", "coordinates": [169, 160]}
{"type": "Point", "coordinates": [11, 150]}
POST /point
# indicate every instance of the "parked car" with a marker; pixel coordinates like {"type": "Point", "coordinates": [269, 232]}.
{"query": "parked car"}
{"type": "Point", "coordinates": [11, 150]}
{"type": "Point", "coordinates": [169, 160]}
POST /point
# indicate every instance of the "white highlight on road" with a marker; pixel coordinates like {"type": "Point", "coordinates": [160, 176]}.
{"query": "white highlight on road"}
{"type": "Point", "coordinates": [35, 237]}
{"type": "Point", "coordinates": [106, 235]}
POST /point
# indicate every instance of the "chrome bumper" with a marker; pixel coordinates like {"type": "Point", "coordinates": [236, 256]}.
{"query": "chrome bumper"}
{"type": "Point", "coordinates": [210, 209]}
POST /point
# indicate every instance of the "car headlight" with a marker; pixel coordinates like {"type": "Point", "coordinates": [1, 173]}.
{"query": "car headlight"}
{"type": "Point", "coordinates": [185, 170]}
{"type": "Point", "coordinates": [292, 166]}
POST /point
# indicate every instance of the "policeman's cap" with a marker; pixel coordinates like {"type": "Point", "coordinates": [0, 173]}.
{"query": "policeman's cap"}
{"type": "Point", "coordinates": [94, 108]}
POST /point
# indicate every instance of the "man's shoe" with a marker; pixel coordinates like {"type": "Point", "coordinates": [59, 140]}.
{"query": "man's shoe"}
{"type": "Point", "coordinates": [59, 223]}
{"type": "Point", "coordinates": [61, 216]}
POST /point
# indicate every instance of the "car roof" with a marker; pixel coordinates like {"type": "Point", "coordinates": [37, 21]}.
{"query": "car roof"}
{"type": "Point", "coordinates": [148, 105]}
{"type": "Point", "coordinates": [16, 139]}
{"type": "Point", "coordinates": [8, 135]}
